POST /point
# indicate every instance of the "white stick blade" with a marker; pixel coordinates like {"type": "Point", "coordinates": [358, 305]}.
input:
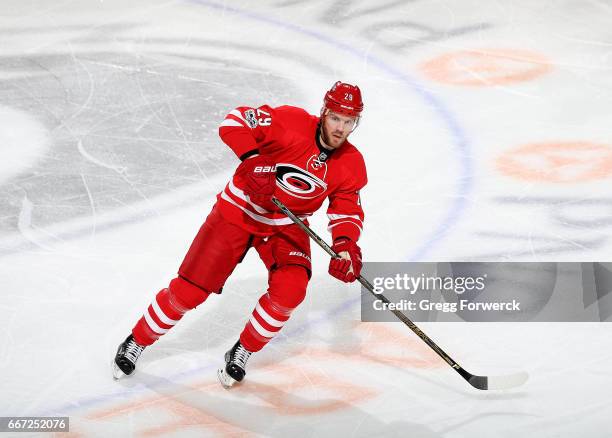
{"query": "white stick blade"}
{"type": "Point", "coordinates": [508, 381]}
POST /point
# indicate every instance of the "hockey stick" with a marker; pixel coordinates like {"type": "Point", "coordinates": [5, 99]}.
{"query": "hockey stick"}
{"type": "Point", "coordinates": [478, 382]}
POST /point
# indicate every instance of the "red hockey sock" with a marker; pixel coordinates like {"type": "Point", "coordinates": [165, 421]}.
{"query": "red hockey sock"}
{"type": "Point", "coordinates": [167, 308]}
{"type": "Point", "coordinates": [287, 289]}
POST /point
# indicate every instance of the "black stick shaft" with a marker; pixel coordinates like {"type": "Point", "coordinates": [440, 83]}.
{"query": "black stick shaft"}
{"type": "Point", "coordinates": [411, 325]}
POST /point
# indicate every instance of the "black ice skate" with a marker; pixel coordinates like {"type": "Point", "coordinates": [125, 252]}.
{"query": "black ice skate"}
{"type": "Point", "coordinates": [128, 353]}
{"type": "Point", "coordinates": [235, 364]}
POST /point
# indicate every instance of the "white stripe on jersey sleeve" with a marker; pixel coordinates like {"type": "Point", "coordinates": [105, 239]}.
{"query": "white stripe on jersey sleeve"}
{"type": "Point", "coordinates": [344, 222]}
{"type": "Point", "coordinates": [333, 217]}
{"type": "Point", "coordinates": [237, 113]}
{"type": "Point", "coordinates": [232, 122]}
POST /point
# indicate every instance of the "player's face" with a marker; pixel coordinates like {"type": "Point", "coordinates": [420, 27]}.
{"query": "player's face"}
{"type": "Point", "coordinates": [336, 128]}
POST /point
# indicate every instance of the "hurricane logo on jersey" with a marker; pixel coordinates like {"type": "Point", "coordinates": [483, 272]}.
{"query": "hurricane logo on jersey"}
{"type": "Point", "coordinates": [298, 182]}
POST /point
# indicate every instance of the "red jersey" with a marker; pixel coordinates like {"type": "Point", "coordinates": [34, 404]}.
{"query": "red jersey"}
{"type": "Point", "coordinates": [306, 174]}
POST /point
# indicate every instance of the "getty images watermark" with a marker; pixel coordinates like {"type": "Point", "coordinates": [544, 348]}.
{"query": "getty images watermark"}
{"type": "Point", "coordinates": [476, 291]}
{"type": "Point", "coordinates": [458, 285]}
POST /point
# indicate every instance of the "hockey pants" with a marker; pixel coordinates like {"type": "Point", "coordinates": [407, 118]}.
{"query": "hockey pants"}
{"type": "Point", "coordinates": [216, 250]}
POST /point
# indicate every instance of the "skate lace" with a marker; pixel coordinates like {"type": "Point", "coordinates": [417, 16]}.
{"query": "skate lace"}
{"type": "Point", "coordinates": [133, 350]}
{"type": "Point", "coordinates": [241, 355]}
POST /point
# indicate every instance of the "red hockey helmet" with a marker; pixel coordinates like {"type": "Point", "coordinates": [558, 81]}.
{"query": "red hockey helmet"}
{"type": "Point", "coordinates": [344, 99]}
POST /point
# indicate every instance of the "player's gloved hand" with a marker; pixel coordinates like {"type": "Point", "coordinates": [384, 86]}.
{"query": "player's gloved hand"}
{"type": "Point", "coordinates": [348, 266]}
{"type": "Point", "coordinates": [259, 173]}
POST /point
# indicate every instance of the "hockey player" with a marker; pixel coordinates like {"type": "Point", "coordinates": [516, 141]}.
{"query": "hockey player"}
{"type": "Point", "coordinates": [299, 158]}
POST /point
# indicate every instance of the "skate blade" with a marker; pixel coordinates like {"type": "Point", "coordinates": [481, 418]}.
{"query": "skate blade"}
{"type": "Point", "coordinates": [117, 373]}
{"type": "Point", "coordinates": [225, 379]}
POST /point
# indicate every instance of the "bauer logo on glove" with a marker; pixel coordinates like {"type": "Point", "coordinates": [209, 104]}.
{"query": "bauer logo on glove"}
{"type": "Point", "coordinates": [259, 173]}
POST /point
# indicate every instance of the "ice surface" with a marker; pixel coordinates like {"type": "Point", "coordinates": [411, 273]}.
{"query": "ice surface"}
{"type": "Point", "coordinates": [111, 161]}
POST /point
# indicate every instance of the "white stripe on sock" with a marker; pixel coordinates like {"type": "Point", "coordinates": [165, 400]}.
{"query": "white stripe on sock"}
{"type": "Point", "coordinates": [161, 315]}
{"type": "Point", "coordinates": [266, 317]}
{"type": "Point", "coordinates": [259, 329]}
{"type": "Point", "coordinates": [153, 325]}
